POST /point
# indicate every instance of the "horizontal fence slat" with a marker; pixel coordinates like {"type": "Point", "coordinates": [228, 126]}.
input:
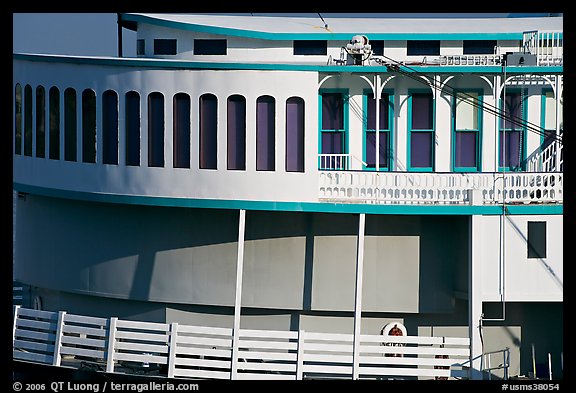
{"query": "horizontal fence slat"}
{"type": "Point", "coordinates": [203, 352]}
{"type": "Point", "coordinates": [267, 355]}
{"type": "Point", "coordinates": [276, 334]}
{"type": "Point", "coordinates": [88, 342]}
{"type": "Point", "coordinates": [429, 361]}
{"type": "Point", "coordinates": [267, 344]}
{"type": "Point", "coordinates": [315, 357]}
{"type": "Point", "coordinates": [138, 357]}
{"type": "Point", "coordinates": [254, 376]}
{"type": "Point", "coordinates": [34, 346]}
{"type": "Point", "coordinates": [40, 336]}
{"type": "Point", "coordinates": [208, 363]}
{"type": "Point", "coordinates": [90, 353]}
{"type": "Point", "coordinates": [266, 366]}
{"type": "Point", "coordinates": [217, 342]}
{"type": "Point", "coordinates": [326, 369]}
{"type": "Point", "coordinates": [328, 347]}
{"type": "Point", "coordinates": [138, 336]}
{"type": "Point", "coordinates": [33, 357]}
{"type": "Point", "coordinates": [123, 324]}
{"type": "Point", "coordinates": [414, 372]}
{"type": "Point", "coordinates": [328, 336]}
{"type": "Point", "coordinates": [47, 315]}
{"type": "Point", "coordinates": [416, 340]}
{"type": "Point", "coordinates": [41, 325]}
{"type": "Point", "coordinates": [415, 350]}
{"type": "Point", "coordinates": [85, 320]}
{"type": "Point", "coordinates": [201, 374]}
{"type": "Point", "coordinates": [159, 348]}
{"type": "Point", "coordinates": [89, 331]}
{"type": "Point", "coordinates": [217, 331]}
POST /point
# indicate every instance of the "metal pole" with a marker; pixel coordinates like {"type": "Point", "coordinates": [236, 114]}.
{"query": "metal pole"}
{"type": "Point", "coordinates": [358, 295]}
{"type": "Point", "coordinates": [377, 98]}
{"type": "Point", "coordinates": [238, 296]}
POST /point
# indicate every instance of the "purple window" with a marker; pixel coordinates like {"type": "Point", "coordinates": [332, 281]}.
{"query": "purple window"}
{"type": "Point", "coordinates": [371, 149]}
{"type": "Point", "coordinates": [181, 130]}
{"type": "Point", "coordinates": [384, 108]}
{"type": "Point", "coordinates": [88, 126]}
{"type": "Point", "coordinates": [332, 111]}
{"type": "Point", "coordinates": [40, 122]}
{"type": "Point", "coordinates": [208, 131]}
{"type": "Point", "coordinates": [70, 124]}
{"type": "Point", "coordinates": [466, 149]}
{"type": "Point", "coordinates": [110, 127]}
{"type": "Point", "coordinates": [28, 120]}
{"type": "Point", "coordinates": [265, 133]}
{"type": "Point", "coordinates": [513, 112]}
{"type": "Point", "coordinates": [18, 119]}
{"type": "Point", "coordinates": [295, 134]}
{"type": "Point", "coordinates": [510, 149]}
{"type": "Point", "coordinates": [155, 130]}
{"type": "Point", "coordinates": [54, 131]}
{"type": "Point", "coordinates": [422, 111]}
{"type": "Point", "coordinates": [236, 133]}
{"type": "Point", "coordinates": [132, 113]}
{"type": "Point", "coordinates": [421, 150]}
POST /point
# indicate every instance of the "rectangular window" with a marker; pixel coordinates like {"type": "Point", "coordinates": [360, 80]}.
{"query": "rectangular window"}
{"type": "Point", "coordinates": [210, 47]}
{"type": "Point", "coordinates": [88, 126]}
{"type": "Point", "coordinates": [110, 127]}
{"type": "Point", "coordinates": [132, 113]}
{"type": "Point", "coordinates": [383, 132]}
{"type": "Point", "coordinates": [549, 112]}
{"type": "Point", "coordinates": [294, 134]}
{"type": "Point", "coordinates": [536, 239]}
{"type": "Point", "coordinates": [18, 119]}
{"type": "Point", "coordinates": [140, 47]}
{"type": "Point", "coordinates": [28, 120]}
{"type": "Point", "coordinates": [265, 133]}
{"type": "Point", "coordinates": [467, 130]}
{"type": "Point", "coordinates": [377, 47]}
{"type": "Point", "coordinates": [163, 46]}
{"type": "Point", "coordinates": [311, 47]}
{"type": "Point", "coordinates": [155, 130]}
{"type": "Point", "coordinates": [421, 120]}
{"type": "Point", "coordinates": [511, 138]}
{"type": "Point", "coordinates": [479, 47]}
{"type": "Point", "coordinates": [70, 124]}
{"type": "Point", "coordinates": [208, 131]}
{"type": "Point", "coordinates": [423, 48]}
{"type": "Point", "coordinates": [333, 132]}
{"type": "Point", "coordinates": [40, 122]}
{"type": "Point", "coordinates": [181, 130]}
{"type": "Point", "coordinates": [54, 137]}
{"type": "Point", "coordinates": [236, 133]}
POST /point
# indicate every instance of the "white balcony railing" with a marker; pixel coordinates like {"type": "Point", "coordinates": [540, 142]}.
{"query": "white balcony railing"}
{"type": "Point", "coordinates": [343, 162]}
{"type": "Point", "coordinates": [549, 159]}
{"type": "Point", "coordinates": [440, 188]}
{"type": "Point", "coordinates": [548, 46]}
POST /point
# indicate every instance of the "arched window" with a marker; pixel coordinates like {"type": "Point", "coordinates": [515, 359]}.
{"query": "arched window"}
{"type": "Point", "coordinates": [208, 131]}
{"type": "Point", "coordinates": [28, 120]}
{"type": "Point", "coordinates": [40, 122]}
{"type": "Point", "coordinates": [181, 130]}
{"type": "Point", "coordinates": [88, 126]}
{"type": "Point", "coordinates": [155, 129]}
{"type": "Point", "coordinates": [132, 128]}
{"type": "Point", "coordinates": [18, 119]}
{"type": "Point", "coordinates": [236, 133]}
{"type": "Point", "coordinates": [54, 132]}
{"type": "Point", "coordinates": [265, 133]}
{"type": "Point", "coordinates": [110, 127]}
{"type": "Point", "coordinates": [70, 124]}
{"type": "Point", "coordinates": [295, 134]}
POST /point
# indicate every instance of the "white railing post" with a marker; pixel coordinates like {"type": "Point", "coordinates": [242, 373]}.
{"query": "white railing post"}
{"type": "Point", "coordinates": [58, 341]}
{"type": "Point", "coordinates": [16, 309]}
{"type": "Point", "coordinates": [172, 349]}
{"type": "Point", "coordinates": [358, 296]}
{"type": "Point", "coordinates": [238, 296]}
{"type": "Point", "coordinates": [300, 355]}
{"type": "Point", "coordinates": [111, 344]}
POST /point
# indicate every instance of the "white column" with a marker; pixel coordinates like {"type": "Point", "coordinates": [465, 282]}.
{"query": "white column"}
{"type": "Point", "coordinates": [475, 295]}
{"type": "Point", "coordinates": [358, 295]}
{"type": "Point", "coordinates": [238, 296]}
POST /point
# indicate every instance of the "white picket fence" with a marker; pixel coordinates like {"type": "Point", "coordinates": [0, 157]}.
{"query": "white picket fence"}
{"type": "Point", "coordinates": [181, 351]}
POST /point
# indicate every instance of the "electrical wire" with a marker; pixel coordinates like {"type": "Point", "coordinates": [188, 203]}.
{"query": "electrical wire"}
{"type": "Point", "coordinates": [415, 74]}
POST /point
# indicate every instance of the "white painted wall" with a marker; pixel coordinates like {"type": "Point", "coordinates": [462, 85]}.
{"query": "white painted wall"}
{"type": "Point", "coordinates": [525, 279]}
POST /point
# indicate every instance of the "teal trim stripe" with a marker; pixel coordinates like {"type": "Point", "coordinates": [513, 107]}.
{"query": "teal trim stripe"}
{"type": "Point", "coordinates": [320, 207]}
{"type": "Point", "coordinates": [323, 35]}
{"type": "Point", "coordinates": [201, 65]}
